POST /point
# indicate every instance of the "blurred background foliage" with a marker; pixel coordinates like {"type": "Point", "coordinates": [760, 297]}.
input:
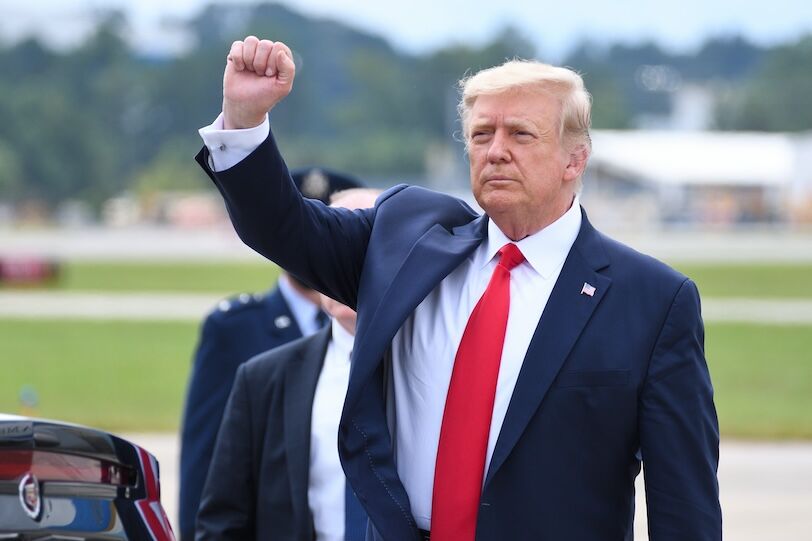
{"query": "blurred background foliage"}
{"type": "Point", "coordinates": [100, 119]}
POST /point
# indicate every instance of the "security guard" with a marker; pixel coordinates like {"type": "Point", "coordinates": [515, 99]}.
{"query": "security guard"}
{"type": "Point", "coordinates": [236, 330]}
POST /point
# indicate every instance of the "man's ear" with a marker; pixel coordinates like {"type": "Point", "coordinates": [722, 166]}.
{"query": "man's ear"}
{"type": "Point", "coordinates": [578, 158]}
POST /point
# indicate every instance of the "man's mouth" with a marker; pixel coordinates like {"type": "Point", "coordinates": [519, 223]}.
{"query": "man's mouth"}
{"type": "Point", "coordinates": [498, 179]}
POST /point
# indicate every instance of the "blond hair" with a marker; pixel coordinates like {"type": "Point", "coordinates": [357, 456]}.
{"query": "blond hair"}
{"type": "Point", "coordinates": [563, 83]}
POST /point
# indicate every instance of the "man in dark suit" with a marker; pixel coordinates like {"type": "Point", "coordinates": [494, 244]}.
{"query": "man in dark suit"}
{"type": "Point", "coordinates": [236, 330]}
{"type": "Point", "coordinates": [509, 370]}
{"type": "Point", "coordinates": [275, 473]}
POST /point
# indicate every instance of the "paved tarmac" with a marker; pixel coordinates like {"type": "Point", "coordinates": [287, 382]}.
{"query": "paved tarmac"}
{"type": "Point", "coordinates": [221, 243]}
{"type": "Point", "coordinates": [193, 306]}
{"type": "Point", "coordinates": [765, 488]}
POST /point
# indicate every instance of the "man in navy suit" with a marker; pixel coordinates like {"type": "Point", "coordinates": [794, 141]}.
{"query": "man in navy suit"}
{"type": "Point", "coordinates": [236, 330]}
{"type": "Point", "coordinates": [599, 349]}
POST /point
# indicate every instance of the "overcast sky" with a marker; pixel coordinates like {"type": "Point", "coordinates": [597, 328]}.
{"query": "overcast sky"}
{"type": "Point", "coordinates": [421, 25]}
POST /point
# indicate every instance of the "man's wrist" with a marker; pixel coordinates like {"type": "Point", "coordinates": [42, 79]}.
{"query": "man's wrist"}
{"type": "Point", "coordinates": [229, 124]}
{"type": "Point", "coordinates": [234, 119]}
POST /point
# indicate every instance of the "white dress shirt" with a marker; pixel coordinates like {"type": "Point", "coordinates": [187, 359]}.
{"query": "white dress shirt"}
{"type": "Point", "coordinates": [227, 148]}
{"type": "Point", "coordinates": [424, 348]}
{"type": "Point", "coordinates": [325, 490]}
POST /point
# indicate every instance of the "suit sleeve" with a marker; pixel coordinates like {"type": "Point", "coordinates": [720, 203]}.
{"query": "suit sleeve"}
{"type": "Point", "coordinates": [679, 433]}
{"type": "Point", "coordinates": [207, 394]}
{"type": "Point", "coordinates": [227, 506]}
{"type": "Point", "coordinates": [322, 246]}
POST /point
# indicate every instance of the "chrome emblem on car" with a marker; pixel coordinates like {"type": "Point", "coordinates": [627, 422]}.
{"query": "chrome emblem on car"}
{"type": "Point", "coordinates": [30, 497]}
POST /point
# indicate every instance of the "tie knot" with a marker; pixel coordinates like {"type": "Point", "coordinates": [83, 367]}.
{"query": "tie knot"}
{"type": "Point", "coordinates": [510, 256]}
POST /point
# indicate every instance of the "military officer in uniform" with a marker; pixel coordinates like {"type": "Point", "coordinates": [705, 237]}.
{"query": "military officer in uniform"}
{"type": "Point", "coordinates": [236, 330]}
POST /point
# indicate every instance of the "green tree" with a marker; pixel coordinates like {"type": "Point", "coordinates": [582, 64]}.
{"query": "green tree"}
{"type": "Point", "coordinates": [10, 172]}
{"type": "Point", "coordinates": [778, 97]}
{"type": "Point", "coordinates": [100, 119]}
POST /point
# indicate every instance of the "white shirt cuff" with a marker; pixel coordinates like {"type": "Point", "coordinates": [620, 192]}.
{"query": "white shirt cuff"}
{"type": "Point", "coordinates": [227, 148]}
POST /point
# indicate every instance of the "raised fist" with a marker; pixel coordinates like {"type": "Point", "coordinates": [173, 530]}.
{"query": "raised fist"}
{"type": "Point", "coordinates": [258, 75]}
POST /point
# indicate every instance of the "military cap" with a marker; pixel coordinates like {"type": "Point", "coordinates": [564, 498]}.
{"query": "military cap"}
{"type": "Point", "coordinates": [320, 183]}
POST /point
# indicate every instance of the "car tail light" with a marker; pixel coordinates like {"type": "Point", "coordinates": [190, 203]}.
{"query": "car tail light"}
{"type": "Point", "coordinates": [50, 466]}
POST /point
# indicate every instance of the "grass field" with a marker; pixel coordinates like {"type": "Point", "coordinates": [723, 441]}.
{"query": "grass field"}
{"type": "Point", "coordinates": [112, 375]}
{"type": "Point", "coordinates": [131, 376]}
{"type": "Point", "coordinates": [714, 280]}
{"type": "Point", "coordinates": [751, 280]}
{"type": "Point", "coordinates": [225, 278]}
{"type": "Point", "coordinates": [762, 377]}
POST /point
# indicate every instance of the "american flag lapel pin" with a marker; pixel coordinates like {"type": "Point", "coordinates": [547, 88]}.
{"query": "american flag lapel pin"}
{"type": "Point", "coordinates": [588, 289]}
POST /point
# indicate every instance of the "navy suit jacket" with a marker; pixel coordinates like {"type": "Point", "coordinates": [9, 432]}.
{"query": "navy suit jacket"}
{"type": "Point", "coordinates": [258, 480]}
{"type": "Point", "coordinates": [606, 378]}
{"type": "Point", "coordinates": [233, 333]}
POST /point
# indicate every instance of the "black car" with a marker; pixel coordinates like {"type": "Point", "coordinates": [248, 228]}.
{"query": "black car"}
{"type": "Point", "coordinates": [60, 481]}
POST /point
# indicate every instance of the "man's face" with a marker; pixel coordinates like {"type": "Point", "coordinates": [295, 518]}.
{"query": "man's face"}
{"type": "Point", "coordinates": [343, 314]}
{"type": "Point", "coordinates": [521, 173]}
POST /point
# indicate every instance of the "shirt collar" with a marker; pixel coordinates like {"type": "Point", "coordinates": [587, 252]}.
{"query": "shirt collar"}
{"type": "Point", "coordinates": [302, 308]}
{"type": "Point", "coordinates": [545, 250]}
{"type": "Point", "coordinates": [342, 340]}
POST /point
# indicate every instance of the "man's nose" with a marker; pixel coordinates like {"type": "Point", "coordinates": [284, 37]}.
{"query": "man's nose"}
{"type": "Point", "coordinates": [499, 150]}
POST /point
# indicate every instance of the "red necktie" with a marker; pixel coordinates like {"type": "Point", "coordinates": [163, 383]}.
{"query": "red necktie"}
{"type": "Point", "coordinates": [466, 426]}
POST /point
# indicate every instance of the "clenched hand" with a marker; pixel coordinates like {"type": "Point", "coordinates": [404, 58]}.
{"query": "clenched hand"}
{"type": "Point", "coordinates": [258, 75]}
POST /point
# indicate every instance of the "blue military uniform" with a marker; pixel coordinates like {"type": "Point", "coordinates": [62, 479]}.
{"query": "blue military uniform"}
{"type": "Point", "coordinates": [236, 330]}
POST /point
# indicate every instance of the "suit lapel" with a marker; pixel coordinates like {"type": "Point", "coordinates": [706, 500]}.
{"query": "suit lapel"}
{"type": "Point", "coordinates": [300, 386]}
{"type": "Point", "coordinates": [564, 318]}
{"type": "Point", "coordinates": [364, 441]}
{"type": "Point", "coordinates": [437, 253]}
